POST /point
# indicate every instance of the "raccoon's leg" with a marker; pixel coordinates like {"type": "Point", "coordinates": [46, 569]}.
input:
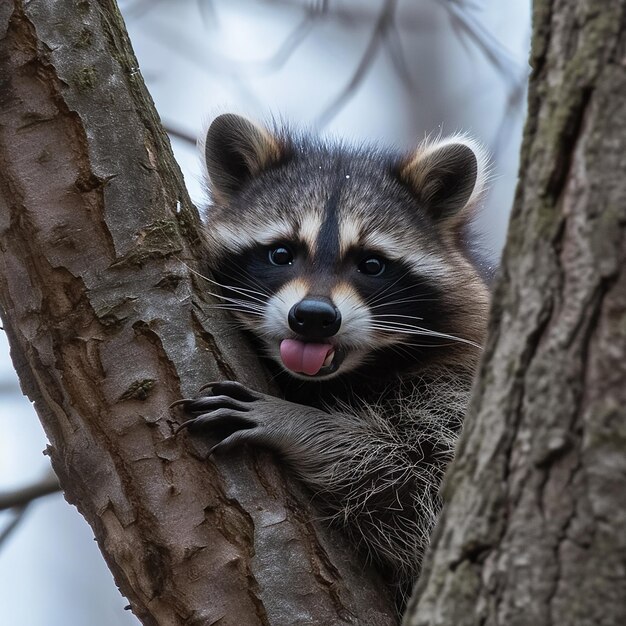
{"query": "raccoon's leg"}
{"type": "Point", "coordinates": [381, 482]}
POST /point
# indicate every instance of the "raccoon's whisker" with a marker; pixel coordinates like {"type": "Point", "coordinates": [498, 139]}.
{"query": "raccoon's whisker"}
{"type": "Point", "coordinates": [415, 344]}
{"type": "Point", "coordinates": [444, 336]}
{"type": "Point", "coordinates": [231, 287]}
{"type": "Point", "coordinates": [237, 300]}
{"type": "Point", "coordinates": [252, 280]}
{"type": "Point", "coordinates": [251, 304]}
{"type": "Point", "coordinates": [237, 309]}
{"type": "Point", "coordinates": [405, 299]}
{"type": "Point", "coordinates": [248, 293]}
{"type": "Point", "coordinates": [385, 293]}
{"type": "Point", "coordinates": [198, 274]}
{"type": "Point", "coordinates": [376, 296]}
{"type": "Point", "coordinates": [244, 303]}
{"type": "Point", "coordinates": [241, 290]}
{"type": "Point", "coordinates": [338, 303]}
{"type": "Point", "coordinates": [188, 267]}
{"type": "Point", "coordinates": [398, 327]}
{"type": "Point", "coordinates": [401, 349]}
{"type": "Point", "coordinates": [402, 301]}
{"type": "Point", "coordinates": [233, 322]}
{"type": "Point", "coordinates": [381, 315]}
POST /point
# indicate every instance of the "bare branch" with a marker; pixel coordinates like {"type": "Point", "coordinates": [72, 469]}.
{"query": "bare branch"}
{"type": "Point", "coordinates": [208, 12]}
{"type": "Point", "coordinates": [384, 21]}
{"type": "Point", "coordinates": [23, 496]}
{"type": "Point", "coordinates": [398, 58]}
{"type": "Point", "coordinates": [497, 55]}
{"type": "Point", "coordinates": [174, 131]}
{"type": "Point", "coordinates": [19, 515]}
{"type": "Point", "coordinates": [19, 501]}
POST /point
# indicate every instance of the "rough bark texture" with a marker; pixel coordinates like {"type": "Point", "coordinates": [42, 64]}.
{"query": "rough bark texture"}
{"type": "Point", "coordinates": [534, 526]}
{"type": "Point", "coordinates": [108, 326]}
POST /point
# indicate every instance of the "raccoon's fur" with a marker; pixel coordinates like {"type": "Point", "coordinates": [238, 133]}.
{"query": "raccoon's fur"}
{"type": "Point", "coordinates": [351, 269]}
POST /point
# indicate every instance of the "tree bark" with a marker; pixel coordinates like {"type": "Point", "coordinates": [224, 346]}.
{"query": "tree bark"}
{"type": "Point", "coordinates": [109, 324]}
{"type": "Point", "coordinates": [534, 526]}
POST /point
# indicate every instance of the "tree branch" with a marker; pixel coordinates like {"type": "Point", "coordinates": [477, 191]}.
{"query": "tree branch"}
{"type": "Point", "coordinates": [21, 497]}
{"type": "Point", "coordinates": [533, 529]}
{"type": "Point", "coordinates": [108, 325]}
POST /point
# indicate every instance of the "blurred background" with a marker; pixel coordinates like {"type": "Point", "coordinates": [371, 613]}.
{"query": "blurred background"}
{"type": "Point", "coordinates": [388, 71]}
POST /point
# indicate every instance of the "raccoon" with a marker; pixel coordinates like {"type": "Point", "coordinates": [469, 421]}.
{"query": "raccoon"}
{"type": "Point", "coordinates": [353, 272]}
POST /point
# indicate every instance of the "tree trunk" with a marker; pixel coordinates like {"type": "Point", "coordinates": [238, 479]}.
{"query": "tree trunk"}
{"type": "Point", "coordinates": [534, 529]}
{"type": "Point", "coordinates": [108, 325]}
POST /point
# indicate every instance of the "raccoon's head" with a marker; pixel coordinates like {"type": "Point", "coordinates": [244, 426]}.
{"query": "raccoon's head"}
{"type": "Point", "coordinates": [339, 259]}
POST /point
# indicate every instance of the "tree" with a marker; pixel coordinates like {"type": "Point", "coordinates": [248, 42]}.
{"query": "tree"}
{"type": "Point", "coordinates": [109, 322]}
{"type": "Point", "coordinates": [533, 530]}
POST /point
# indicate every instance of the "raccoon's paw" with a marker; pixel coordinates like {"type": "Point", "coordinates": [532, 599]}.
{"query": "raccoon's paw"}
{"type": "Point", "coordinates": [235, 414]}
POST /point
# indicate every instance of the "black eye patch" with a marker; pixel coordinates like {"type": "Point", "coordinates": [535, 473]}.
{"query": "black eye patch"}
{"type": "Point", "coordinates": [397, 296]}
{"type": "Point", "coordinates": [260, 271]}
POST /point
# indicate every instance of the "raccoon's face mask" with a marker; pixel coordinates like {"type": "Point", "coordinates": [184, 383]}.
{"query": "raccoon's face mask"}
{"type": "Point", "coordinates": [335, 258]}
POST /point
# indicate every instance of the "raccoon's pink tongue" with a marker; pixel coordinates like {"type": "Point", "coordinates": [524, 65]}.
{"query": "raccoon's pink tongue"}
{"type": "Point", "coordinates": [299, 356]}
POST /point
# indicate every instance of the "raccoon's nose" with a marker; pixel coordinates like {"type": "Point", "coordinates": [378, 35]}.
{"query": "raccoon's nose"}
{"type": "Point", "coordinates": [315, 318]}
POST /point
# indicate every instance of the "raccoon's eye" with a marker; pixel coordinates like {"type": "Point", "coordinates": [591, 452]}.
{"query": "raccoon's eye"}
{"type": "Point", "coordinates": [372, 266]}
{"type": "Point", "coordinates": [280, 256]}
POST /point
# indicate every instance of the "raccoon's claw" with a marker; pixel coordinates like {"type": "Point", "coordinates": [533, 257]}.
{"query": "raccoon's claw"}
{"type": "Point", "coordinates": [233, 389]}
{"type": "Point", "coordinates": [219, 419]}
{"type": "Point", "coordinates": [205, 404]}
{"type": "Point", "coordinates": [223, 413]}
{"type": "Point", "coordinates": [235, 414]}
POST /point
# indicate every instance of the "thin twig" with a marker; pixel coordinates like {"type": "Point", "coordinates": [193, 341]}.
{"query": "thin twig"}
{"type": "Point", "coordinates": [179, 133]}
{"type": "Point", "coordinates": [235, 69]}
{"type": "Point", "coordinates": [208, 12]}
{"type": "Point", "coordinates": [141, 7]}
{"type": "Point", "coordinates": [21, 497]}
{"type": "Point", "coordinates": [398, 59]}
{"type": "Point", "coordinates": [19, 514]}
{"type": "Point", "coordinates": [385, 19]}
{"type": "Point", "coordinates": [497, 55]}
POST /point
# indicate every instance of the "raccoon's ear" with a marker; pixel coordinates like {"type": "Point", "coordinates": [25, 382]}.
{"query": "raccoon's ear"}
{"type": "Point", "coordinates": [235, 151]}
{"type": "Point", "coordinates": [447, 176]}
